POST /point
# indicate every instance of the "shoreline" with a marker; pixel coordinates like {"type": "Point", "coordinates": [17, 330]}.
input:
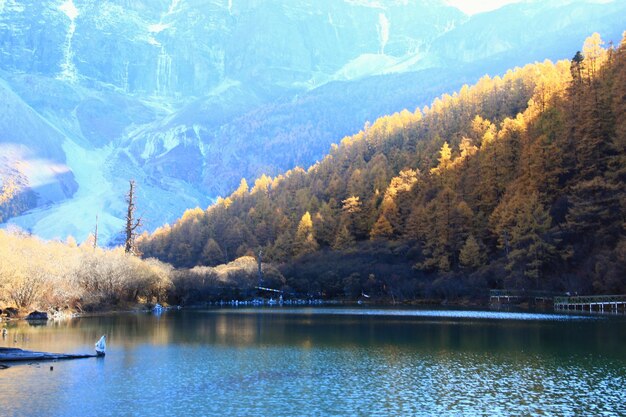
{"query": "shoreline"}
{"type": "Point", "coordinates": [519, 308]}
{"type": "Point", "coordinates": [424, 303]}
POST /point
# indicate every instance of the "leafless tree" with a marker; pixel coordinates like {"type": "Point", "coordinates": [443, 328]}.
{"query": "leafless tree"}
{"type": "Point", "coordinates": [132, 224]}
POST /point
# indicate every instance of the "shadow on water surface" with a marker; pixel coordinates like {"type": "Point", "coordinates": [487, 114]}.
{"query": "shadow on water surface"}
{"type": "Point", "coordinates": [420, 330]}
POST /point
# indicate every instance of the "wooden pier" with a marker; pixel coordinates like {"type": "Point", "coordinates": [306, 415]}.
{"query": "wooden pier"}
{"type": "Point", "coordinates": [589, 303]}
{"type": "Point", "coordinates": [499, 297]}
{"type": "Point", "coordinates": [592, 303]}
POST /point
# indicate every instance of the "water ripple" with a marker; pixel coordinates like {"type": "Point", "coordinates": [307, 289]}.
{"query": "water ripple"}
{"type": "Point", "coordinates": [454, 314]}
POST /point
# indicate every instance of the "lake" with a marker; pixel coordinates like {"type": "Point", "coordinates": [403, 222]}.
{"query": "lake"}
{"type": "Point", "coordinates": [323, 362]}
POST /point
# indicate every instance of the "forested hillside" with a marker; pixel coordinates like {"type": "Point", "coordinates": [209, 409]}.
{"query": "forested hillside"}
{"type": "Point", "coordinates": [516, 182]}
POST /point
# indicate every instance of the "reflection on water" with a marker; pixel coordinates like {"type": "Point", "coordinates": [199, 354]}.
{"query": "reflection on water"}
{"type": "Point", "coordinates": [323, 362]}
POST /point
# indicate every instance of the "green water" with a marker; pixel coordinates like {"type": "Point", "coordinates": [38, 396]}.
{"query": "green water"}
{"type": "Point", "coordinates": [323, 362]}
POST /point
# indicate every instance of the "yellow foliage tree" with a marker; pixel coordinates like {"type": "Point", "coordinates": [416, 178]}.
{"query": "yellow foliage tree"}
{"type": "Point", "coordinates": [471, 256]}
{"type": "Point", "coordinates": [242, 190]}
{"type": "Point", "coordinates": [382, 228]}
{"type": "Point", "coordinates": [445, 159]}
{"type": "Point", "coordinates": [7, 190]}
{"type": "Point", "coordinates": [305, 240]}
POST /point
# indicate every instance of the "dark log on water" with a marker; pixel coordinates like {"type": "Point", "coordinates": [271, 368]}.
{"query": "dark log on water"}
{"type": "Point", "coordinates": [19, 355]}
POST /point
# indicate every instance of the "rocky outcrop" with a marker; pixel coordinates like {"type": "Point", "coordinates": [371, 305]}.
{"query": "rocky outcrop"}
{"type": "Point", "coordinates": [37, 315]}
{"type": "Point", "coordinates": [10, 312]}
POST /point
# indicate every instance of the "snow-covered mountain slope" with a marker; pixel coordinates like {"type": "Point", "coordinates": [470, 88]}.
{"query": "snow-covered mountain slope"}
{"type": "Point", "coordinates": [65, 149]}
{"type": "Point", "coordinates": [31, 151]}
{"type": "Point", "coordinates": [188, 96]}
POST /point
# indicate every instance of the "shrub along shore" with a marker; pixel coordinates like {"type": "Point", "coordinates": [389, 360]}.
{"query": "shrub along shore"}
{"type": "Point", "coordinates": [64, 279]}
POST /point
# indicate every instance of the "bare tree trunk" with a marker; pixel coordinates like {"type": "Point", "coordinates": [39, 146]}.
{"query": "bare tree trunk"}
{"type": "Point", "coordinates": [95, 234]}
{"type": "Point", "coordinates": [131, 223]}
{"type": "Point", "coordinates": [260, 268]}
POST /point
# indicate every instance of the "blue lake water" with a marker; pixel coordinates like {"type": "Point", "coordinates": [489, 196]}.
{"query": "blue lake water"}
{"type": "Point", "coordinates": [323, 362]}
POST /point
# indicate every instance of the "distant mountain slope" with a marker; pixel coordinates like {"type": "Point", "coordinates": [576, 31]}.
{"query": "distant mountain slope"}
{"type": "Point", "coordinates": [188, 47]}
{"type": "Point", "coordinates": [528, 30]}
{"type": "Point", "coordinates": [31, 154]}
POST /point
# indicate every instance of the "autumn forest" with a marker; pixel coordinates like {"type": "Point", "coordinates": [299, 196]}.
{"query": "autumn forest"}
{"type": "Point", "coordinates": [517, 182]}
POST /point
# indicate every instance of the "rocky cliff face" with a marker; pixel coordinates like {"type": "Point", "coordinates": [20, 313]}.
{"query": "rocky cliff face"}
{"type": "Point", "coordinates": [187, 47]}
{"type": "Point", "coordinates": [188, 96]}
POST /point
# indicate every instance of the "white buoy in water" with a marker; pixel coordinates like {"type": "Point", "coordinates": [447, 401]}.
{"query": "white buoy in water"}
{"type": "Point", "coordinates": [101, 346]}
